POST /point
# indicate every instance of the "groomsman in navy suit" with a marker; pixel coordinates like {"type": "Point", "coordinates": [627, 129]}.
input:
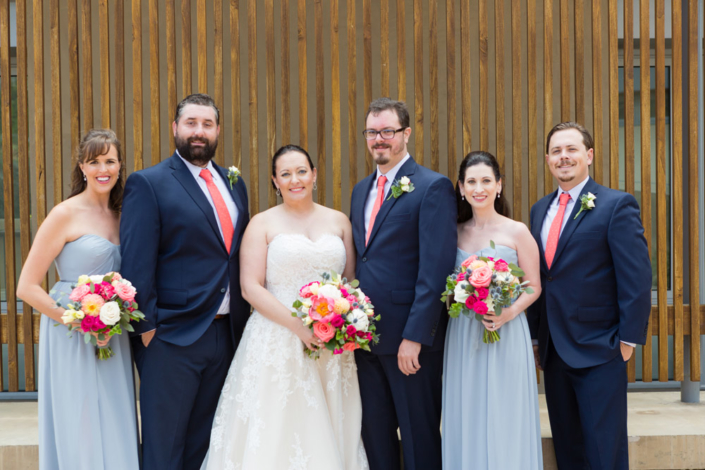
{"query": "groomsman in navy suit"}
{"type": "Point", "coordinates": [404, 227]}
{"type": "Point", "coordinates": [594, 304]}
{"type": "Point", "coordinates": [182, 221]}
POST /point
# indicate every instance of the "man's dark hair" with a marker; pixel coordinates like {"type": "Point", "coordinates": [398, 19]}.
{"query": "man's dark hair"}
{"type": "Point", "coordinates": [200, 99]}
{"type": "Point", "coordinates": [587, 138]}
{"type": "Point", "coordinates": [385, 104]}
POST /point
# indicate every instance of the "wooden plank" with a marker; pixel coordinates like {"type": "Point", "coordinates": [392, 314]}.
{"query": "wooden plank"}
{"type": "Point", "coordinates": [74, 81]}
{"type": "Point", "coordinates": [629, 97]}
{"type": "Point", "coordinates": [531, 100]}
{"type": "Point", "coordinates": [367, 66]}
{"type": "Point", "coordinates": [578, 28]}
{"type": "Point", "coordinates": [39, 128]}
{"type": "Point", "coordinates": [120, 74]}
{"type": "Point", "coordinates": [401, 52]}
{"type": "Point", "coordinates": [27, 329]}
{"type": "Point", "coordinates": [418, 82]}
{"type": "Point", "coordinates": [597, 90]}
{"type": "Point", "coordinates": [565, 61]}
{"type": "Point", "coordinates": [547, 85]}
{"type": "Point", "coordinates": [433, 81]}
{"type": "Point", "coordinates": [270, 86]}
{"type": "Point", "coordinates": [335, 104]}
{"type": "Point", "coordinates": [320, 101]}
{"type": "Point", "coordinates": [8, 193]}
{"type": "Point", "coordinates": [218, 70]}
{"type": "Point", "coordinates": [170, 21]}
{"type": "Point", "coordinates": [353, 136]}
{"type": "Point", "coordinates": [614, 94]}
{"type": "Point", "coordinates": [202, 46]}
{"type": "Point", "coordinates": [186, 47]}
{"type": "Point", "coordinates": [645, 127]}
{"type": "Point", "coordinates": [384, 45]}
{"type": "Point", "coordinates": [285, 74]}
{"type": "Point", "coordinates": [56, 118]}
{"type": "Point", "coordinates": [137, 155]}
{"type": "Point", "coordinates": [450, 87]}
{"type": "Point", "coordinates": [303, 76]}
{"type": "Point", "coordinates": [87, 64]}
{"type": "Point", "coordinates": [677, 188]}
{"type": "Point", "coordinates": [104, 38]}
{"type": "Point", "coordinates": [687, 320]}
{"type": "Point", "coordinates": [154, 85]}
{"type": "Point", "coordinates": [465, 77]}
{"type": "Point", "coordinates": [499, 79]}
{"type": "Point", "coordinates": [693, 215]}
{"type": "Point", "coordinates": [235, 80]}
{"type": "Point", "coordinates": [253, 134]}
{"type": "Point", "coordinates": [25, 189]}
{"type": "Point", "coordinates": [516, 110]}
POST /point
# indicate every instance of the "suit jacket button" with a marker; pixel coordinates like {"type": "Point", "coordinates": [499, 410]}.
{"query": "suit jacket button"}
{"type": "Point", "coordinates": [550, 278]}
{"type": "Point", "coordinates": [364, 260]}
{"type": "Point", "coordinates": [222, 290]}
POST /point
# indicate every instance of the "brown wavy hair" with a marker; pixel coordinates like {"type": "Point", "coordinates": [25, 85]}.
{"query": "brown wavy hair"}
{"type": "Point", "coordinates": [478, 158]}
{"type": "Point", "coordinates": [95, 143]}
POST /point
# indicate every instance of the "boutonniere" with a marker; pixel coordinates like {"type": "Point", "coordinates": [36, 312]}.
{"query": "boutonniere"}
{"type": "Point", "coordinates": [401, 186]}
{"type": "Point", "coordinates": [587, 203]}
{"type": "Point", "coordinates": [233, 175]}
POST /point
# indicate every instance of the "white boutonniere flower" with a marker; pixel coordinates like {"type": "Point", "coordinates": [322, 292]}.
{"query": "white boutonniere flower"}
{"type": "Point", "coordinates": [233, 175]}
{"type": "Point", "coordinates": [401, 186]}
{"type": "Point", "coordinates": [587, 203]}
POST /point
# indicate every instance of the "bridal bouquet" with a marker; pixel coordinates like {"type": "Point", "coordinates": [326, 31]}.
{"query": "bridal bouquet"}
{"type": "Point", "coordinates": [104, 305]}
{"type": "Point", "coordinates": [483, 284]}
{"type": "Point", "coordinates": [339, 313]}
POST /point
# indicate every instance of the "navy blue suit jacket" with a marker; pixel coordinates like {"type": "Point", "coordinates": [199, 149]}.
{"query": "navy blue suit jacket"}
{"type": "Point", "coordinates": [174, 255]}
{"type": "Point", "coordinates": [598, 290]}
{"type": "Point", "coordinates": [410, 253]}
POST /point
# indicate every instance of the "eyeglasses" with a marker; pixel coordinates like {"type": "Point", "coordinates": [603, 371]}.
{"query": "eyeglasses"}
{"type": "Point", "coordinates": [371, 134]}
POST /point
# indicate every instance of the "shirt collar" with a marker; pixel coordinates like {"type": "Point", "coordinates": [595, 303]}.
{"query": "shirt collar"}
{"type": "Point", "coordinates": [196, 170]}
{"type": "Point", "coordinates": [575, 192]}
{"type": "Point", "coordinates": [391, 174]}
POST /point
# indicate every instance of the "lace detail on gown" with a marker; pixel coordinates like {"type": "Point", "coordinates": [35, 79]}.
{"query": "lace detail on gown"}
{"type": "Point", "coordinates": [279, 408]}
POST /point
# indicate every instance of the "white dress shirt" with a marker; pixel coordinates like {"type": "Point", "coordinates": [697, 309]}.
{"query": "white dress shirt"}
{"type": "Point", "coordinates": [372, 196]}
{"type": "Point", "coordinates": [229, 203]}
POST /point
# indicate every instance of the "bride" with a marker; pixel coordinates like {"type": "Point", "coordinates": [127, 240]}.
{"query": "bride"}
{"type": "Point", "coordinates": [279, 409]}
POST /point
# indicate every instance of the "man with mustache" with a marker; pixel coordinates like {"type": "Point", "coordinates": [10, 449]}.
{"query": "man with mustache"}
{"type": "Point", "coordinates": [404, 228]}
{"type": "Point", "coordinates": [182, 221]}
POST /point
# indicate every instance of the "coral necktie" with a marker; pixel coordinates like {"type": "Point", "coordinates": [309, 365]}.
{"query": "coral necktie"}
{"type": "Point", "coordinates": [555, 231]}
{"type": "Point", "coordinates": [226, 223]}
{"type": "Point", "coordinates": [378, 203]}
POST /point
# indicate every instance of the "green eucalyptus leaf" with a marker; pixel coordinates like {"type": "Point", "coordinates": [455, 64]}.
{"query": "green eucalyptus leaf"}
{"type": "Point", "coordinates": [354, 283]}
{"type": "Point", "coordinates": [297, 304]}
{"type": "Point", "coordinates": [529, 290]}
{"type": "Point", "coordinates": [492, 244]}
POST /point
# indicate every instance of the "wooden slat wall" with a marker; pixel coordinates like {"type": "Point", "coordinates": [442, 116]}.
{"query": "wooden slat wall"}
{"type": "Point", "coordinates": [6, 123]}
{"type": "Point", "coordinates": [452, 64]}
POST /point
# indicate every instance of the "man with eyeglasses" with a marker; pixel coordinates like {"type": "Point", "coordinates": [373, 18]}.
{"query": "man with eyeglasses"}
{"type": "Point", "coordinates": [404, 227]}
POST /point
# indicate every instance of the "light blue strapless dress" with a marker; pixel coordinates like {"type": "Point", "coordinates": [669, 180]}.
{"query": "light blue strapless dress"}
{"type": "Point", "coordinates": [87, 414]}
{"type": "Point", "coordinates": [490, 397]}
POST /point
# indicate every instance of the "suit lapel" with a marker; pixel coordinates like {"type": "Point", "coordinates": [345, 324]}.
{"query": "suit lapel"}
{"type": "Point", "coordinates": [573, 222]}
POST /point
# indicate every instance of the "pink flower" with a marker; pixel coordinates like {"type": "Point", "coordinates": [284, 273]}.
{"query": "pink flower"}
{"type": "Point", "coordinates": [80, 292]}
{"type": "Point", "coordinates": [91, 304]}
{"type": "Point", "coordinates": [361, 334]}
{"type": "Point", "coordinates": [98, 324]}
{"type": "Point", "coordinates": [343, 292]}
{"type": "Point", "coordinates": [351, 298]}
{"type": "Point", "coordinates": [337, 321]}
{"type": "Point", "coordinates": [480, 308]}
{"type": "Point", "coordinates": [324, 331]}
{"type": "Point", "coordinates": [489, 258]}
{"type": "Point", "coordinates": [116, 276]}
{"type": "Point", "coordinates": [305, 291]}
{"type": "Point", "coordinates": [481, 277]}
{"type": "Point", "coordinates": [461, 276]}
{"type": "Point", "coordinates": [351, 346]}
{"type": "Point", "coordinates": [337, 351]}
{"type": "Point", "coordinates": [98, 288]}
{"type": "Point", "coordinates": [107, 291]}
{"type": "Point", "coordinates": [322, 309]}
{"type": "Point", "coordinates": [88, 322]}
{"type": "Point", "coordinates": [351, 330]}
{"type": "Point", "coordinates": [470, 259]}
{"type": "Point", "coordinates": [125, 292]}
{"type": "Point", "coordinates": [501, 265]}
{"type": "Point", "coordinates": [482, 293]}
{"type": "Point", "coordinates": [470, 301]}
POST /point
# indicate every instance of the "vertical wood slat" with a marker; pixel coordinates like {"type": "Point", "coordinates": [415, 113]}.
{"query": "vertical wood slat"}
{"type": "Point", "coordinates": [120, 75]}
{"type": "Point", "coordinates": [303, 74]}
{"type": "Point", "coordinates": [401, 52]}
{"type": "Point", "coordinates": [87, 63]}
{"type": "Point", "coordinates": [271, 94]}
{"type": "Point", "coordinates": [170, 64]}
{"type": "Point", "coordinates": [597, 90]}
{"type": "Point", "coordinates": [235, 80]}
{"type": "Point", "coordinates": [24, 180]}
{"type": "Point", "coordinates": [484, 71]}
{"type": "Point", "coordinates": [613, 94]}
{"type": "Point", "coordinates": [645, 95]}
{"type": "Point", "coordinates": [418, 81]}
{"type": "Point", "coordinates": [579, 22]}
{"type": "Point", "coordinates": [218, 70]}
{"type": "Point", "coordinates": [202, 46]}
{"type": "Point", "coordinates": [320, 100]}
{"type": "Point", "coordinates": [450, 83]}
{"type": "Point", "coordinates": [186, 47]}
{"type": "Point", "coordinates": [285, 75]}
{"type": "Point", "coordinates": [335, 105]}
{"type": "Point", "coordinates": [384, 45]}
{"type": "Point", "coordinates": [547, 86]}
{"type": "Point", "coordinates": [531, 95]}
{"type": "Point", "coordinates": [56, 136]}
{"type": "Point", "coordinates": [74, 81]}
{"type": "Point", "coordinates": [661, 241]}
{"type": "Point", "coordinates": [499, 80]}
{"type": "Point", "coordinates": [252, 81]}
{"type": "Point", "coordinates": [433, 80]}
{"type": "Point", "coordinates": [367, 56]}
{"type": "Point", "coordinates": [352, 93]}
{"type": "Point", "coordinates": [677, 190]}
{"type": "Point", "coordinates": [694, 232]}
{"type": "Point", "coordinates": [104, 40]}
{"type": "Point", "coordinates": [154, 85]}
{"type": "Point", "coordinates": [565, 61]}
{"type": "Point", "coordinates": [516, 109]}
{"type": "Point", "coordinates": [138, 163]}
{"type": "Point", "coordinates": [39, 129]}
{"type": "Point", "coordinates": [8, 193]}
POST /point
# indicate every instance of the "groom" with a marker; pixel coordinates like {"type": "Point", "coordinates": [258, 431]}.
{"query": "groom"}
{"type": "Point", "coordinates": [594, 304]}
{"type": "Point", "coordinates": [404, 227]}
{"type": "Point", "coordinates": [182, 221]}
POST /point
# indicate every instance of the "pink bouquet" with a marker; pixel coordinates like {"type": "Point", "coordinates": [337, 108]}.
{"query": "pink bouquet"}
{"type": "Point", "coordinates": [483, 284]}
{"type": "Point", "coordinates": [103, 305]}
{"type": "Point", "coordinates": [338, 313]}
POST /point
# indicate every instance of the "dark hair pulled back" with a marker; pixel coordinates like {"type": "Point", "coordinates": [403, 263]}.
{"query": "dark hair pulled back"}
{"type": "Point", "coordinates": [283, 151]}
{"type": "Point", "coordinates": [478, 158]}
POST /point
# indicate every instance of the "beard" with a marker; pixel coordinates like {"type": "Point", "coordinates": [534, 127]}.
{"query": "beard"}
{"type": "Point", "coordinates": [197, 155]}
{"type": "Point", "coordinates": [383, 152]}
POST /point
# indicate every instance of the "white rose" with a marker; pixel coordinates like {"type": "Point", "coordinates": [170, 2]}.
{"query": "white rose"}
{"type": "Point", "coordinates": [68, 316]}
{"type": "Point", "coordinates": [329, 291]}
{"type": "Point", "coordinates": [97, 279]}
{"type": "Point", "coordinates": [110, 313]}
{"type": "Point", "coordinates": [461, 295]}
{"type": "Point", "coordinates": [490, 264]}
{"type": "Point", "coordinates": [405, 181]}
{"type": "Point", "coordinates": [360, 295]}
{"type": "Point", "coordinates": [79, 314]}
{"type": "Point", "coordinates": [405, 188]}
{"type": "Point", "coordinates": [359, 319]}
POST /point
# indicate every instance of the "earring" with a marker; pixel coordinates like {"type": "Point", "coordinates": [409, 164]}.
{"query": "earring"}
{"type": "Point", "coordinates": [462, 198]}
{"type": "Point", "coordinates": [84, 177]}
{"type": "Point", "coordinates": [279, 193]}
{"type": "Point", "coordinates": [498, 194]}
{"type": "Point", "coordinates": [315, 186]}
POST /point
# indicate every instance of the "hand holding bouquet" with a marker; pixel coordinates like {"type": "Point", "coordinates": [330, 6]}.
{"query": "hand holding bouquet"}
{"type": "Point", "coordinates": [339, 314]}
{"type": "Point", "coordinates": [484, 284]}
{"type": "Point", "coordinates": [102, 306]}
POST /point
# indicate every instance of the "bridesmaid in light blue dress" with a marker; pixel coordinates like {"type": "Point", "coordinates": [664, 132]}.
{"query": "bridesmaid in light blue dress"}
{"type": "Point", "coordinates": [87, 413]}
{"type": "Point", "coordinates": [490, 397]}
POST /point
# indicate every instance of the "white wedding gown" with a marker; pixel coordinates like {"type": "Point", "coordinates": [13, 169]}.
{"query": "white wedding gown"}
{"type": "Point", "coordinates": [279, 409]}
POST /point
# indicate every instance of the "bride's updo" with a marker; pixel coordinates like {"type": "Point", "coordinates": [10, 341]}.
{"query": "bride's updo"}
{"type": "Point", "coordinates": [478, 157]}
{"type": "Point", "coordinates": [283, 151]}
